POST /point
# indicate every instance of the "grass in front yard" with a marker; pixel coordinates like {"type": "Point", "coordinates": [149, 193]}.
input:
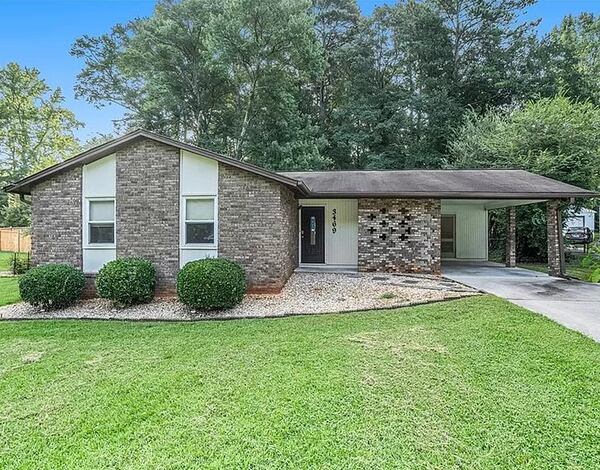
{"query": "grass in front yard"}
{"type": "Point", "coordinates": [472, 383]}
{"type": "Point", "coordinates": [9, 290]}
{"type": "Point", "coordinates": [6, 260]}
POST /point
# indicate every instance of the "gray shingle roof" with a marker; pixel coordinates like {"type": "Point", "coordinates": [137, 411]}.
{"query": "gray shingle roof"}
{"type": "Point", "coordinates": [458, 184]}
{"type": "Point", "coordinates": [461, 184]}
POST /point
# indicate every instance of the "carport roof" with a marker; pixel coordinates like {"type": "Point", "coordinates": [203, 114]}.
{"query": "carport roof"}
{"type": "Point", "coordinates": [454, 184]}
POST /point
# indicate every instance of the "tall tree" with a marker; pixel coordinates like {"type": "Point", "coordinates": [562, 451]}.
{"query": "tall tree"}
{"type": "Point", "coordinates": [162, 70]}
{"type": "Point", "coordinates": [555, 137]}
{"type": "Point", "coordinates": [270, 51]}
{"type": "Point", "coordinates": [396, 104]}
{"type": "Point", "coordinates": [571, 58]}
{"type": "Point", "coordinates": [209, 73]}
{"type": "Point", "coordinates": [488, 40]}
{"type": "Point", "coordinates": [336, 25]}
{"type": "Point", "coordinates": [35, 129]}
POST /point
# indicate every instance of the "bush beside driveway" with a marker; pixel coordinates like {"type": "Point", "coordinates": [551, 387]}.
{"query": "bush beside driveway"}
{"type": "Point", "coordinates": [473, 383]}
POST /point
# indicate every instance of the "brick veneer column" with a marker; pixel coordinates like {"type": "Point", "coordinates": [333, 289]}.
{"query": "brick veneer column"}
{"type": "Point", "coordinates": [511, 238]}
{"type": "Point", "coordinates": [554, 242]}
{"type": "Point", "coordinates": [148, 207]}
{"type": "Point", "coordinates": [399, 235]}
{"type": "Point", "coordinates": [56, 220]}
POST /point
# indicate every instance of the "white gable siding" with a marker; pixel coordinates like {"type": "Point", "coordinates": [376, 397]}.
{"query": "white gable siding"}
{"type": "Point", "coordinates": [199, 177]}
{"type": "Point", "coordinates": [99, 181]}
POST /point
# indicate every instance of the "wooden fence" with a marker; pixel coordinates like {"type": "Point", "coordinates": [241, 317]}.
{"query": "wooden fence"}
{"type": "Point", "coordinates": [15, 239]}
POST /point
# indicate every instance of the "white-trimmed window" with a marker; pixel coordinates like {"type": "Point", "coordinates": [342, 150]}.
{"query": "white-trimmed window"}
{"type": "Point", "coordinates": [199, 220]}
{"type": "Point", "coordinates": [101, 222]}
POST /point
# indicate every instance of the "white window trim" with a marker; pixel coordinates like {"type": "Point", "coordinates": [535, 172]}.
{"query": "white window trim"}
{"type": "Point", "coordinates": [182, 210]}
{"type": "Point", "coordinates": [86, 224]}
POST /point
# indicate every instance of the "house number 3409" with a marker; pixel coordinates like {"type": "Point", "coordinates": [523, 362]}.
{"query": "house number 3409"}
{"type": "Point", "coordinates": [333, 220]}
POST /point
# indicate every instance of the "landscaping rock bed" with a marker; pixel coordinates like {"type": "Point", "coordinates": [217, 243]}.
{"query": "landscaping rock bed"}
{"type": "Point", "coordinates": [305, 293]}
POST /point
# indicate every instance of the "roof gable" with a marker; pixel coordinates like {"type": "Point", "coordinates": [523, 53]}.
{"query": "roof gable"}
{"type": "Point", "coordinates": [24, 186]}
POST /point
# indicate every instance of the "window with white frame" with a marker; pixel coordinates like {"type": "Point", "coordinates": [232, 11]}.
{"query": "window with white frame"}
{"type": "Point", "coordinates": [199, 221]}
{"type": "Point", "coordinates": [101, 222]}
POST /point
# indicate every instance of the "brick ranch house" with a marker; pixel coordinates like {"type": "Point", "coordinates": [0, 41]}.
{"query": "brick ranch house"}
{"type": "Point", "coordinates": [146, 195]}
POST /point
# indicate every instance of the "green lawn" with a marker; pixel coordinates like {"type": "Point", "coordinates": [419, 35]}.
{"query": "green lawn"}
{"type": "Point", "coordinates": [472, 383]}
{"type": "Point", "coordinates": [574, 270]}
{"type": "Point", "coordinates": [9, 290]}
{"type": "Point", "coordinates": [6, 259]}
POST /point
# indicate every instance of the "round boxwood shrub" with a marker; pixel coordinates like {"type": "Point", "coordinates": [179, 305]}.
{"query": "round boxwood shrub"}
{"type": "Point", "coordinates": [212, 283]}
{"type": "Point", "coordinates": [52, 286]}
{"type": "Point", "coordinates": [127, 281]}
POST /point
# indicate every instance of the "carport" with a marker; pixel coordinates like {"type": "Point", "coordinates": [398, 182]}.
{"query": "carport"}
{"type": "Point", "coordinates": [464, 217]}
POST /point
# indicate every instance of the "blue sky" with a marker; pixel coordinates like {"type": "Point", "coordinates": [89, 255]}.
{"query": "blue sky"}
{"type": "Point", "coordinates": [39, 33]}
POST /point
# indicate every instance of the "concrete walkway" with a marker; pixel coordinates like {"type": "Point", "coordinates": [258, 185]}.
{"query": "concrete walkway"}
{"type": "Point", "coordinates": [573, 304]}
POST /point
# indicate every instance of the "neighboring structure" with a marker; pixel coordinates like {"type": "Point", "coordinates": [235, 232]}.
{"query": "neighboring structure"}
{"type": "Point", "coordinates": [582, 218]}
{"type": "Point", "coordinates": [147, 195]}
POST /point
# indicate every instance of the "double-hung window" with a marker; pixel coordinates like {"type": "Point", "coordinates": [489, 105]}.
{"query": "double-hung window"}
{"type": "Point", "coordinates": [199, 222]}
{"type": "Point", "coordinates": [101, 222]}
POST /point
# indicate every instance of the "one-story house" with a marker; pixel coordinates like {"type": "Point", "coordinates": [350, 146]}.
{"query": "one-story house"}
{"type": "Point", "coordinates": [147, 195]}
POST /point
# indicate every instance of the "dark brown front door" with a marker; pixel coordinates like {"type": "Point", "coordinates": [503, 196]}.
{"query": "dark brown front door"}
{"type": "Point", "coordinates": [312, 226]}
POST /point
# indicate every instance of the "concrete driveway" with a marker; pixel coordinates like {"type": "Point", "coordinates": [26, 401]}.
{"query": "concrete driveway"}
{"type": "Point", "coordinates": [573, 304]}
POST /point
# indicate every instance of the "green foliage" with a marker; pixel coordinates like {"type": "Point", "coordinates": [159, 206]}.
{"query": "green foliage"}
{"type": "Point", "coordinates": [554, 137]}
{"type": "Point", "coordinates": [213, 283]}
{"type": "Point", "coordinates": [293, 84]}
{"type": "Point", "coordinates": [16, 214]}
{"type": "Point", "coordinates": [52, 286]}
{"type": "Point", "coordinates": [571, 58]}
{"type": "Point", "coordinates": [127, 281]}
{"type": "Point", "coordinates": [592, 262]}
{"type": "Point", "coordinates": [20, 263]}
{"type": "Point", "coordinates": [227, 75]}
{"type": "Point", "coordinates": [36, 131]}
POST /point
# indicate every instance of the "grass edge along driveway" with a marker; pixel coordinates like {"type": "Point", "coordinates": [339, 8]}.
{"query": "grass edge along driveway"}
{"type": "Point", "coordinates": [471, 383]}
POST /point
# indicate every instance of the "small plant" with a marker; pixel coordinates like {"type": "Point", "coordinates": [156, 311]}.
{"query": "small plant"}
{"type": "Point", "coordinates": [212, 283]}
{"type": "Point", "coordinates": [591, 261]}
{"type": "Point", "coordinates": [387, 295]}
{"type": "Point", "coordinates": [127, 281]}
{"type": "Point", "coordinates": [19, 264]}
{"type": "Point", "coordinates": [52, 286]}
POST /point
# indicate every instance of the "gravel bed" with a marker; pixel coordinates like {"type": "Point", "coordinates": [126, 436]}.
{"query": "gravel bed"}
{"type": "Point", "coordinates": [305, 293]}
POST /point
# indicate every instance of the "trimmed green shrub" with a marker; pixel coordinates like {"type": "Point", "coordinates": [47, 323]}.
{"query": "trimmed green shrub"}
{"type": "Point", "coordinates": [212, 283]}
{"type": "Point", "coordinates": [52, 286]}
{"type": "Point", "coordinates": [127, 281]}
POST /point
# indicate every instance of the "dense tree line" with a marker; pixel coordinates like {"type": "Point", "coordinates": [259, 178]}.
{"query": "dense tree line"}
{"type": "Point", "coordinates": [290, 84]}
